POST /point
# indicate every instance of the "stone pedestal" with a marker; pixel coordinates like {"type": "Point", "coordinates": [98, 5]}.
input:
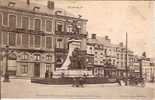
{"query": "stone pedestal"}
{"type": "Point", "coordinates": [71, 73]}
{"type": "Point", "coordinates": [65, 70]}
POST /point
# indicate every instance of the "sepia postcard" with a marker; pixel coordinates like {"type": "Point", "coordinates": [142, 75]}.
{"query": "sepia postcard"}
{"type": "Point", "coordinates": [77, 49]}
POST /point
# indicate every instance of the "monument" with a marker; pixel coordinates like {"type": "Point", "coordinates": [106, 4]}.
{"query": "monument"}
{"type": "Point", "coordinates": [74, 65]}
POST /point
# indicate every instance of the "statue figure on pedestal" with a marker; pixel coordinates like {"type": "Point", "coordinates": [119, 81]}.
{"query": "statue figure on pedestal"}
{"type": "Point", "coordinates": [77, 60]}
{"type": "Point", "coordinates": [76, 27]}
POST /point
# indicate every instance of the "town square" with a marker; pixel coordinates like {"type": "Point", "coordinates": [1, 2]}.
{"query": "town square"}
{"type": "Point", "coordinates": [23, 88]}
{"type": "Point", "coordinates": [77, 49]}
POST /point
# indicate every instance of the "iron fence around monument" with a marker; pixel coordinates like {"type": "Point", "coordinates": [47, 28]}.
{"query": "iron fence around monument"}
{"type": "Point", "coordinates": [69, 80]}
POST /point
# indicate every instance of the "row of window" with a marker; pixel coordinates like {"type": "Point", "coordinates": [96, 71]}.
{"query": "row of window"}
{"type": "Point", "coordinates": [11, 21]}
{"type": "Point", "coordinates": [26, 40]}
{"type": "Point", "coordinates": [97, 46]}
{"type": "Point", "coordinates": [37, 57]}
{"type": "Point", "coordinates": [24, 68]}
{"type": "Point", "coordinates": [103, 62]}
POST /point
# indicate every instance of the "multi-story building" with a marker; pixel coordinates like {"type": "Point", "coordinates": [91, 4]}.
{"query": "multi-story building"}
{"type": "Point", "coordinates": [108, 59]}
{"type": "Point", "coordinates": [102, 51]}
{"type": "Point", "coordinates": [37, 36]}
{"type": "Point", "coordinates": [29, 32]}
{"type": "Point", "coordinates": [121, 59]}
{"type": "Point", "coordinates": [148, 69]}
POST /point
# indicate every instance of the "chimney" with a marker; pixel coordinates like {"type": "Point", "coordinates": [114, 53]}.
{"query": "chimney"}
{"type": "Point", "coordinates": [106, 37]}
{"type": "Point", "coordinates": [93, 36]}
{"type": "Point", "coordinates": [50, 4]}
{"type": "Point", "coordinates": [121, 44]}
{"type": "Point", "coordinates": [28, 2]}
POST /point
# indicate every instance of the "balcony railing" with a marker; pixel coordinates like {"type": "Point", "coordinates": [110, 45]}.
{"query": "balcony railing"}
{"type": "Point", "coordinates": [70, 34]}
{"type": "Point", "coordinates": [62, 50]}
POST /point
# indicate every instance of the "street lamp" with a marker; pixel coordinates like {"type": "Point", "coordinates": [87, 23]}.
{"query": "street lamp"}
{"type": "Point", "coordinates": [6, 75]}
{"type": "Point", "coordinates": [140, 66]}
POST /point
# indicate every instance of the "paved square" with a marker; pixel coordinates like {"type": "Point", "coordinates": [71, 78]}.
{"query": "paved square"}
{"type": "Point", "coordinates": [23, 88]}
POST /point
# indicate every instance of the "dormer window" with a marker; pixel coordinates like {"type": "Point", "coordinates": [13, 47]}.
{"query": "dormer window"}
{"type": "Point", "coordinates": [11, 4]}
{"type": "Point", "coordinates": [36, 8]}
{"type": "Point", "coordinates": [58, 12]}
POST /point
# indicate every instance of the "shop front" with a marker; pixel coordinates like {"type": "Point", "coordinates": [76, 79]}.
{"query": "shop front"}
{"type": "Point", "coordinates": [110, 72]}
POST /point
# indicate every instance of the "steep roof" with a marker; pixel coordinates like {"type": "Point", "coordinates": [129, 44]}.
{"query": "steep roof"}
{"type": "Point", "coordinates": [22, 5]}
{"type": "Point", "coordinates": [100, 41]}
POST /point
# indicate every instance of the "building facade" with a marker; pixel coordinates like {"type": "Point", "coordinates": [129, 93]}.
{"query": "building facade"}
{"type": "Point", "coordinates": [102, 53]}
{"type": "Point", "coordinates": [148, 69]}
{"type": "Point", "coordinates": [121, 59]}
{"type": "Point", "coordinates": [29, 33]}
{"type": "Point", "coordinates": [37, 36]}
{"type": "Point", "coordinates": [108, 59]}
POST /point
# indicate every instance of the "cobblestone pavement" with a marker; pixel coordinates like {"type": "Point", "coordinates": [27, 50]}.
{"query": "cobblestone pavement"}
{"type": "Point", "coordinates": [23, 88]}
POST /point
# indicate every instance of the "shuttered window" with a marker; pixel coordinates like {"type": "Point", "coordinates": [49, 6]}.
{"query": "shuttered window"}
{"type": "Point", "coordinates": [5, 38]}
{"type": "Point", "coordinates": [31, 40]}
{"type": "Point", "coordinates": [12, 39]}
{"type": "Point", "coordinates": [37, 41]}
{"type": "Point", "coordinates": [49, 26]}
{"type": "Point", "coordinates": [25, 22]}
{"type": "Point", "coordinates": [49, 42]}
{"type": "Point", "coordinates": [25, 40]}
{"type": "Point", "coordinates": [37, 25]}
{"type": "Point", "coordinates": [18, 39]}
{"type": "Point", "coordinates": [12, 21]}
{"type": "Point", "coordinates": [5, 18]}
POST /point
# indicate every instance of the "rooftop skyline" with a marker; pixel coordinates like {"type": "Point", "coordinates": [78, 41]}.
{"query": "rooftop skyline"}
{"type": "Point", "coordinates": [115, 18]}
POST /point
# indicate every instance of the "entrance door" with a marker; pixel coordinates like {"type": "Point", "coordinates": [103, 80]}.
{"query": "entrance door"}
{"type": "Point", "coordinates": [36, 69]}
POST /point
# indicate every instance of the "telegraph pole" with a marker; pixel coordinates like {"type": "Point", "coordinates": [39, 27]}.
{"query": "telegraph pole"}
{"type": "Point", "coordinates": [126, 60]}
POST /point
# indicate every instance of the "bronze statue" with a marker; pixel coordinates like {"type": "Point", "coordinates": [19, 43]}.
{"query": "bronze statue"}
{"type": "Point", "coordinates": [77, 60]}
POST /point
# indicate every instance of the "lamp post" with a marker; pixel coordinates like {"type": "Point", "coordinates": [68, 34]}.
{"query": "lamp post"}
{"type": "Point", "coordinates": [140, 67]}
{"type": "Point", "coordinates": [6, 75]}
{"type": "Point", "coordinates": [126, 60]}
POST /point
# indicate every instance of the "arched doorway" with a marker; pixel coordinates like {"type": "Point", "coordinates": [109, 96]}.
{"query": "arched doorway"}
{"type": "Point", "coordinates": [12, 66]}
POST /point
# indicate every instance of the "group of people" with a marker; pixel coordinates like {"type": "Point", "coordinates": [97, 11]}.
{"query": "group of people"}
{"type": "Point", "coordinates": [78, 82]}
{"type": "Point", "coordinates": [48, 74]}
{"type": "Point", "coordinates": [136, 80]}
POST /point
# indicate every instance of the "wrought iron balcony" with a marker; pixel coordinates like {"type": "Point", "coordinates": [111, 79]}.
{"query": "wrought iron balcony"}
{"type": "Point", "coordinates": [62, 50]}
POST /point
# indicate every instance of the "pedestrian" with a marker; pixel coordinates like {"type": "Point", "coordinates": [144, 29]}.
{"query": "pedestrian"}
{"type": "Point", "coordinates": [118, 81]}
{"type": "Point", "coordinates": [46, 74]}
{"type": "Point", "coordinates": [51, 74]}
{"type": "Point", "coordinates": [81, 81]}
{"type": "Point", "coordinates": [74, 82]}
{"type": "Point", "coordinates": [62, 75]}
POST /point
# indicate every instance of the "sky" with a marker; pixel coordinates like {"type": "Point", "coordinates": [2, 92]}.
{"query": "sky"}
{"type": "Point", "coordinates": [115, 18]}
